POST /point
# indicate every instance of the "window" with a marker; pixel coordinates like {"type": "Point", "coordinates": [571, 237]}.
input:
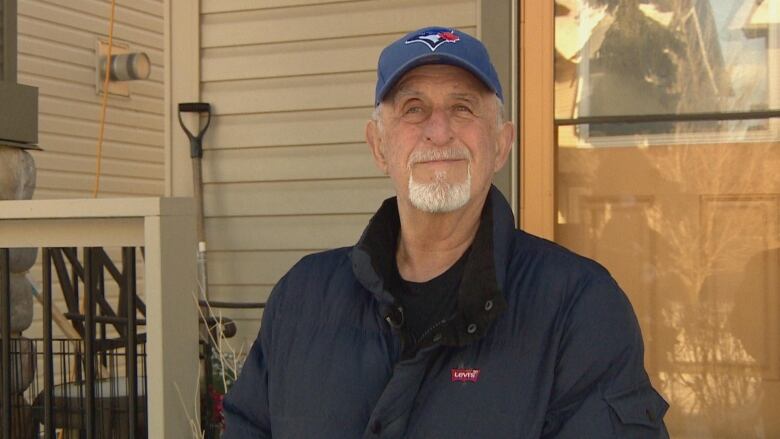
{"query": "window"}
{"type": "Point", "coordinates": [667, 57]}
{"type": "Point", "coordinates": [683, 207]}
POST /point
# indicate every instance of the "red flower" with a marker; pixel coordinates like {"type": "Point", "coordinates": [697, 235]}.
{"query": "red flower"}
{"type": "Point", "coordinates": [216, 401]}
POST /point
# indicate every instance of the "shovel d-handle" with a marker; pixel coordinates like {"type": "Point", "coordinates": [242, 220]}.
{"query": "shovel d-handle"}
{"type": "Point", "coordinates": [196, 141]}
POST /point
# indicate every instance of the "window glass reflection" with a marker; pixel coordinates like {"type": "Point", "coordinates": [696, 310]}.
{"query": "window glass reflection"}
{"type": "Point", "coordinates": [618, 57]}
{"type": "Point", "coordinates": [686, 215]}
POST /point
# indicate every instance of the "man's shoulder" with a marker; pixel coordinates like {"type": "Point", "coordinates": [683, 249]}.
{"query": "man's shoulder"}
{"type": "Point", "coordinates": [318, 269]}
{"type": "Point", "coordinates": [553, 257]}
{"type": "Point", "coordinates": [326, 259]}
{"type": "Point", "coordinates": [315, 279]}
{"type": "Point", "coordinates": [547, 276]}
{"type": "Point", "coordinates": [541, 270]}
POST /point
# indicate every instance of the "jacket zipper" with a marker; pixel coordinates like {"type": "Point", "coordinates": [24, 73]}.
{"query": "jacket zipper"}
{"type": "Point", "coordinates": [428, 331]}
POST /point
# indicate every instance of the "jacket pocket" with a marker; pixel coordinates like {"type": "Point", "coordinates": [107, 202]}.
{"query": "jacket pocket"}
{"type": "Point", "coordinates": [638, 413]}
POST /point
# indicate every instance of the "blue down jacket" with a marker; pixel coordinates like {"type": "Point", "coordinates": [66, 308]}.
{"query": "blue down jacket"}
{"type": "Point", "coordinates": [544, 345]}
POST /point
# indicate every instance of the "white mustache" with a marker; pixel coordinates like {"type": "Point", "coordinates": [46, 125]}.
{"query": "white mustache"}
{"type": "Point", "coordinates": [436, 154]}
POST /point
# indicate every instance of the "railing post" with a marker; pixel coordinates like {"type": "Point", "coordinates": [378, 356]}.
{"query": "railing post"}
{"type": "Point", "coordinates": [128, 274]}
{"type": "Point", "coordinates": [48, 352]}
{"type": "Point", "coordinates": [5, 335]}
{"type": "Point", "coordinates": [171, 325]}
{"type": "Point", "coordinates": [89, 341]}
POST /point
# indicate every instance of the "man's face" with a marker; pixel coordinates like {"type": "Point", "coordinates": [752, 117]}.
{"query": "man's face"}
{"type": "Point", "coordinates": [439, 138]}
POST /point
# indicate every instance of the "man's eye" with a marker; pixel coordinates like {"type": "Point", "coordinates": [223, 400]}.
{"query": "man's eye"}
{"type": "Point", "coordinates": [463, 108]}
{"type": "Point", "coordinates": [413, 110]}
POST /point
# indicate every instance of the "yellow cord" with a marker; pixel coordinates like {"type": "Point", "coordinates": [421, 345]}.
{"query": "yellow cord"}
{"type": "Point", "coordinates": [104, 103]}
{"type": "Point", "coordinates": [99, 153]}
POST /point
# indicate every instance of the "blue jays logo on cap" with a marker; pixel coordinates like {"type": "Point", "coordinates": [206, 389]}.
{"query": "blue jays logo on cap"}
{"type": "Point", "coordinates": [434, 38]}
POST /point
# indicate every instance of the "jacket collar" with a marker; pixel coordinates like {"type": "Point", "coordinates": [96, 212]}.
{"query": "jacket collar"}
{"type": "Point", "coordinates": [480, 297]}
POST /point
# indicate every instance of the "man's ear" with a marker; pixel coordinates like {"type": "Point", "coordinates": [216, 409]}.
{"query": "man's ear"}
{"type": "Point", "coordinates": [375, 142]}
{"type": "Point", "coordinates": [504, 144]}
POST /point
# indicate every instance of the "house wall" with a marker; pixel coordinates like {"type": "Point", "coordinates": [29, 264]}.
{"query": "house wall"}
{"type": "Point", "coordinates": [56, 52]}
{"type": "Point", "coordinates": [286, 170]}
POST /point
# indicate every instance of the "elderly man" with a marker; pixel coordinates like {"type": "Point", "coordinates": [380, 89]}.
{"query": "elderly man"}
{"type": "Point", "coordinates": [444, 321]}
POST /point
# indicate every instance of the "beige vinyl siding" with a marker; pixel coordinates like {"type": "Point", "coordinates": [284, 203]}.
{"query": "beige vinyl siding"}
{"type": "Point", "coordinates": [56, 53]}
{"type": "Point", "coordinates": [286, 170]}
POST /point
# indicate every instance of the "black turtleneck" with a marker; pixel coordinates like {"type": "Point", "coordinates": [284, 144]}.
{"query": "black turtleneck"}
{"type": "Point", "coordinates": [428, 304]}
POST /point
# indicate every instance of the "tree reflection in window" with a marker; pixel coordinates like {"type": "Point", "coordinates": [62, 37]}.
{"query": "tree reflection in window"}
{"type": "Point", "coordinates": [636, 57]}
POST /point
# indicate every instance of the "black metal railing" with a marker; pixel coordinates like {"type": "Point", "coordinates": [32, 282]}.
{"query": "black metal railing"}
{"type": "Point", "coordinates": [89, 378]}
{"type": "Point", "coordinates": [5, 340]}
{"type": "Point", "coordinates": [94, 379]}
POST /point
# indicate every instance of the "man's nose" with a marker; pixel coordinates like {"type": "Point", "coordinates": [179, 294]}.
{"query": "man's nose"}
{"type": "Point", "coordinates": [438, 129]}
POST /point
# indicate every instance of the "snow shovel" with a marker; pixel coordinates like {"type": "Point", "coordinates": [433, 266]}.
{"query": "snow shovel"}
{"type": "Point", "coordinates": [196, 152]}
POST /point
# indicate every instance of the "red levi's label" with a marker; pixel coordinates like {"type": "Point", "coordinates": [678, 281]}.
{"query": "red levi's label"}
{"type": "Point", "coordinates": [464, 375]}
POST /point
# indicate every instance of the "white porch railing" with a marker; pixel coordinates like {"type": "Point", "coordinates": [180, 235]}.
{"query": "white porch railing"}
{"type": "Point", "coordinates": [165, 227]}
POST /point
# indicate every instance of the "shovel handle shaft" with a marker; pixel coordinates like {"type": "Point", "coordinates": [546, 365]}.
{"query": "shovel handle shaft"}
{"type": "Point", "coordinates": [196, 147]}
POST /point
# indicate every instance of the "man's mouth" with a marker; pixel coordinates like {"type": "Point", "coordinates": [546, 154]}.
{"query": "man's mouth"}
{"type": "Point", "coordinates": [438, 156]}
{"type": "Point", "coordinates": [439, 164]}
{"type": "Point", "coordinates": [439, 161]}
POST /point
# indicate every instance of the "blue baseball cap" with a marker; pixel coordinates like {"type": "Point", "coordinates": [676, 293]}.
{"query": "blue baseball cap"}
{"type": "Point", "coordinates": [434, 45]}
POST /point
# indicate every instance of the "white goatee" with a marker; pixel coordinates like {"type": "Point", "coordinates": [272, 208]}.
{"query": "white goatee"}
{"type": "Point", "coordinates": [439, 196]}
